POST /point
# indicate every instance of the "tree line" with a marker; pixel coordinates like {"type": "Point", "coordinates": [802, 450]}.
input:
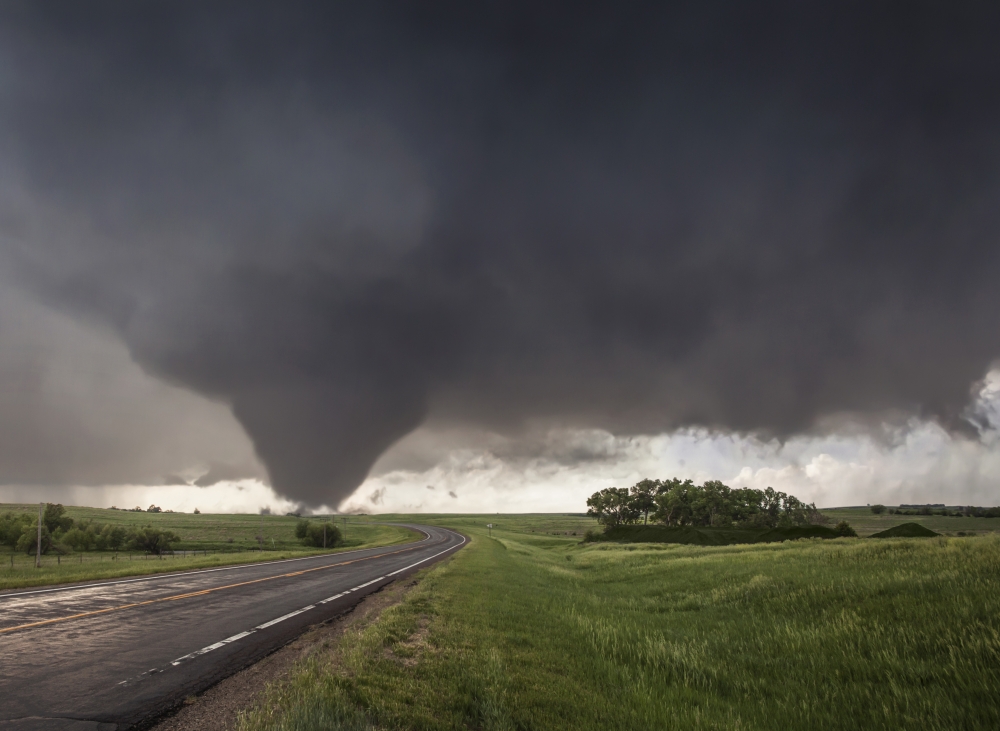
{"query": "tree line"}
{"type": "Point", "coordinates": [60, 533]}
{"type": "Point", "coordinates": [967, 511]}
{"type": "Point", "coordinates": [676, 502]}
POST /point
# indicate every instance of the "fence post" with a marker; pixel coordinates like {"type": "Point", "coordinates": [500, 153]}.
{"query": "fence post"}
{"type": "Point", "coordinates": [38, 547]}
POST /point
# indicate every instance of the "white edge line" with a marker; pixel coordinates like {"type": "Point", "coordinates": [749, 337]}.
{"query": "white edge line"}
{"type": "Point", "coordinates": [174, 575]}
{"type": "Point", "coordinates": [452, 548]}
{"type": "Point", "coordinates": [282, 618]}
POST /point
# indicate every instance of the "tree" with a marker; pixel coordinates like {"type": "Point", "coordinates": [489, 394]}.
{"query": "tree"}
{"type": "Point", "coordinates": [844, 529]}
{"type": "Point", "coordinates": [12, 525]}
{"type": "Point", "coordinates": [301, 528]}
{"type": "Point", "coordinates": [673, 503]}
{"type": "Point", "coordinates": [152, 540]}
{"type": "Point", "coordinates": [28, 542]}
{"type": "Point", "coordinates": [878, 509]}
{"type": "Point", "coordinates": [55, 519]}
{"type": "Point", "coordinates": [643, 494]}
{"type": "Point", "coordinates": [612, 506]}
{"type": "Point", "coordinates": [319, 534]}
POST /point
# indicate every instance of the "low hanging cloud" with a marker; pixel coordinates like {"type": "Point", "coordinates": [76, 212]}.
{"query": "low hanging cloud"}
{"type": "Point", "coordinates": [343, 222]}
{"type": "Point", "coordinates": [893, 462]}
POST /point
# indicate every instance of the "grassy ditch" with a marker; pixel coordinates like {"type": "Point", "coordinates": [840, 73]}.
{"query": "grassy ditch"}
{"type": "Point", "coordinates": [521, 631]}
{"type": "Point", "coordinates": [205, 541]}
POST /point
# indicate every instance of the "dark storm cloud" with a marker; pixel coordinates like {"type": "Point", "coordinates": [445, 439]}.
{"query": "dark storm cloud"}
{"type": "Point", "coordinates": [343, 221]}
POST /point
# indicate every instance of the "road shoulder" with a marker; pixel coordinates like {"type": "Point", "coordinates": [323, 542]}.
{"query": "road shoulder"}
{"type": "Point", "coordinates": [219, 707]}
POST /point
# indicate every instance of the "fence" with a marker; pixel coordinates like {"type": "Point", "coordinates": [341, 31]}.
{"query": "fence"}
{"type": "Point", "coordinates": [18, 561]}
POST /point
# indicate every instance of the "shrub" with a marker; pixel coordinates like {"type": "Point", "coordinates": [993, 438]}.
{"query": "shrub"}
{"type": "Point", "coordinates": [317, 538]}
{"type": "Point", "coordinates": [845, 530]}
{"type": "Point", "coordinates": [28, 542]}
{"type": "Point", "coordinates": [152, 540]}
{"type": "Point", "coordinates": [878, 509]}
{"type": "Point", "coordinates": [301, 528]}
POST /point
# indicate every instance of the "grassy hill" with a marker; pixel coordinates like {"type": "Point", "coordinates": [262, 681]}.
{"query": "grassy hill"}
{"type": "Point", "coordinates": [532, 629]}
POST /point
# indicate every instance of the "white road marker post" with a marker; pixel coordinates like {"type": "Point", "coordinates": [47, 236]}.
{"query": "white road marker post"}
{"type": "Point", "coordinates": [38, 546]}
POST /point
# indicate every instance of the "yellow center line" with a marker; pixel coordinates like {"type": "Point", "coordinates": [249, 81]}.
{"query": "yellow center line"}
{"type": "Point", "coordinates": [201, 592]}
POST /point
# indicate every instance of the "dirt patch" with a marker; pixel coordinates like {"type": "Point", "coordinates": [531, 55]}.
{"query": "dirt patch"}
{"type": "Point", "coordinates": [217, 708]}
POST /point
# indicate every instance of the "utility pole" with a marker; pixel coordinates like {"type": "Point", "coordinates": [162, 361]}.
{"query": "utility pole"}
{"type": "Point", "coordinates": [260, 538]}
{"type": "Point", "coordinates": [345, 527]}
{"type": "Point", "coordinates": [38, 547]}
{"type": "Point", "coordinates": [324, 535]}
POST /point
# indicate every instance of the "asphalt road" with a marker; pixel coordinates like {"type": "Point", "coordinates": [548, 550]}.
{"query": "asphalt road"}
{"type": "Point", "coordinates": [114, 654]}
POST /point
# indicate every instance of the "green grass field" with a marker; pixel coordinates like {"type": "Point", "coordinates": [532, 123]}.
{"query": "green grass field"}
{"type": "Point", "coordinates": [206, 540]}
{"type": "Point", "coordinates": [531, 629]}
{"type": "Point", "coordinates": [866, 523]}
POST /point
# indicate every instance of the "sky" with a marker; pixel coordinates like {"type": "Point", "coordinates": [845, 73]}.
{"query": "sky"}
{"type": "Point", "coordinates": [442, 257]}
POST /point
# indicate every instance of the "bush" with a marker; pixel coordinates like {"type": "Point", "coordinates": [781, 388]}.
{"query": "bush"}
{"type": "Point", "coordinates": [152, 540]}
{"type": "Point", "coordinates": [878, 509]}
{"type": "Point", "coordinates": [11, 527]}
{"type": "Point", "coordinates": [28, 542]}
{"type": "Point", "coordinates": [845, 530]}
{"type": "Point", "coordinates": [315, 536]}
{"type": "Point", "coordinates": [301, 528]}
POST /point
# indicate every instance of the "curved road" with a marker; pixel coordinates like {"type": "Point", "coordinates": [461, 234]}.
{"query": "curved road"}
{"type": "Point", "coordinates": [113, 654]}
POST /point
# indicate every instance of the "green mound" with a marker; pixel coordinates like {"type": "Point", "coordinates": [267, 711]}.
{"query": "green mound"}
{"type": "Point", "coordinates": [906, 530]}
{"type": "Point", "coordinates": [692, 536]}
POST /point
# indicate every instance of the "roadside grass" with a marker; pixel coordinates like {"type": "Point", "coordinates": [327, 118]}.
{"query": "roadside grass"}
{"type": "Point", "coordinates": [206, 541]}
{"type": "Point", "coordinates": [524, 632]}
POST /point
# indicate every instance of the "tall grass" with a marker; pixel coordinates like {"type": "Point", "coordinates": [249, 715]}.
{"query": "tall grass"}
{"type": "Point", "coordinates": [524, 632]}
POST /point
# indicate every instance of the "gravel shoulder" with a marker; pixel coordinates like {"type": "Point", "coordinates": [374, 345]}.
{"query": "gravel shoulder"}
{"type": "Point", "coordinates": [218, 708]}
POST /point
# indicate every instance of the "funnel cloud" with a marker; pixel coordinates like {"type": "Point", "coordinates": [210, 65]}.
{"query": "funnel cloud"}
{"type": "Point", "coordinates": [343, 221]}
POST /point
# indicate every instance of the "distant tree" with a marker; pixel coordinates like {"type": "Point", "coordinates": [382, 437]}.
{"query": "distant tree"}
{"type": "Point", "coordinates": [28, 541]}
{"type": "Point", "coordinates": [642, 496]}
{"type": "Point", "coordinates": [197, 512]}
{"type": "Point", "coordinates": [12, 525]}
{"type": "Point", "coordinates": [878, 509]}
{"type": "Point", "coordinates": [301, 528]}
{"type": "Point", "coordinates": [116, 536]}
{"type": "Point", "coordinates": [844, 529]}
{"type": "Point", "coordinates": [320, 534]}
{"type": "Point", "coordinates": [152, 540]}
{"type": "Point", "coordinates": [55, 519]}
{"type": "Point", "coordinates": [673, 503]}
{"type": "Point", "coordinates": [612, 506]}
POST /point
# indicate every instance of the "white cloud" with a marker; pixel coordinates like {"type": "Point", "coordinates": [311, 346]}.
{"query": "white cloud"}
{"type": "Point", "coordinates": [913, 462]}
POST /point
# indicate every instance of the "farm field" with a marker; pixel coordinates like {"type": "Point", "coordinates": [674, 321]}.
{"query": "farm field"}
{"type": "Point", "coordinates": [531, 629]}
{"type": "Point", "coordinates": [865, 522]}
{"type": "Point", "coordinates": [205, 540]}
